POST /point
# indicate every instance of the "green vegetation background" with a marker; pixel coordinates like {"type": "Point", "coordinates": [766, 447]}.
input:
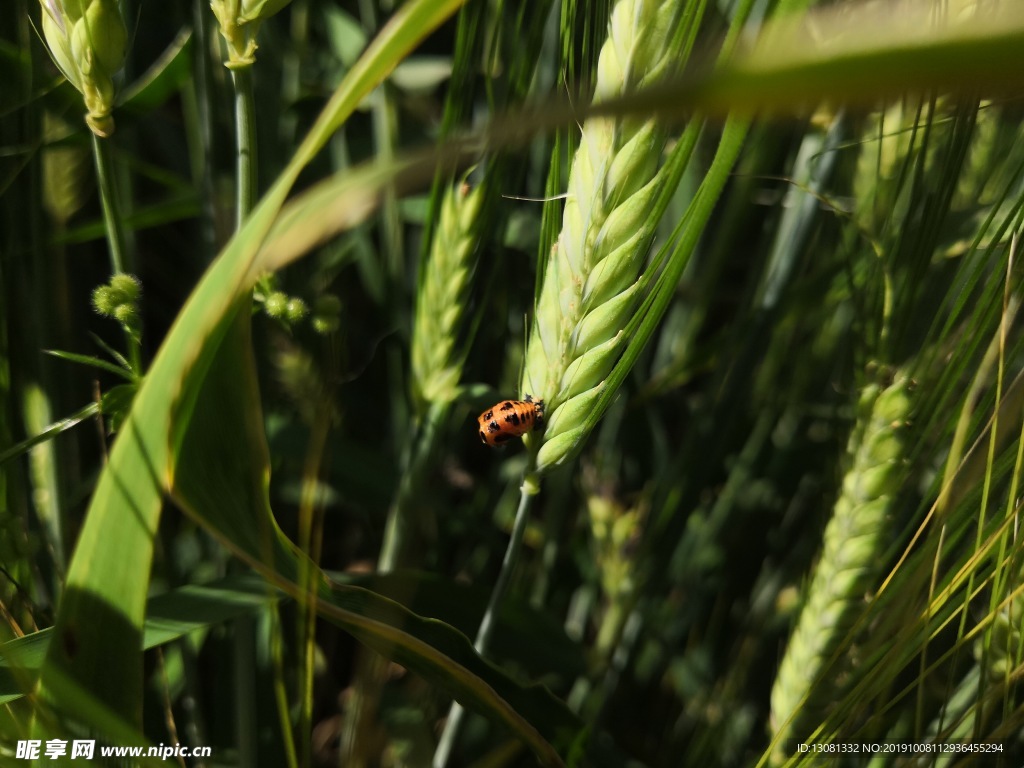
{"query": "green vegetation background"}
{"type": "Point", "coordinates": [796, 520]}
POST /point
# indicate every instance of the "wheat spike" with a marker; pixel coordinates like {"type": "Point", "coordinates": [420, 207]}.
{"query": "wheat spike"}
{"type": "Point", "coordinates": [849, 561]}
{"type": "Point", "coordinates": [436, 367]}
{"type": "Point", "coordinates": [590, 285]}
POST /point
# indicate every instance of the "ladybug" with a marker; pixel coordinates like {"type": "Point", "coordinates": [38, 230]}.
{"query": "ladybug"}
{"type": "Point", "coordinates": [509, 419]}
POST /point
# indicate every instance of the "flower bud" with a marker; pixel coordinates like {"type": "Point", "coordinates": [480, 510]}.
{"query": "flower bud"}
{"type": "Point", "coordinates": [58, 40]}
{"type": "Point", "coordinates": [276, 305]}
{"type": "Point", "coordinates": [87, 40]}
{"type": "Point", "coordinates": [327, 314]}
{"type": "Point", "coordinates": [126, 288]}
{"type": "Point", "coordinates": [103, 300]}
{"type": "Point", "coordinates": [239, 23]}
{"type": "Point", "coordinates": [295, 310]}
{"type": "Point", "coordinates": [127, 315]}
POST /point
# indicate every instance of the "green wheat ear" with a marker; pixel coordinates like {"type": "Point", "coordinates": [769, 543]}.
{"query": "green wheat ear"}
{"type": "Point", "coordinates": [849, 564]}
{"type": "Point", "coordinates": [441, 300]}
{"type": "Point", "coordinates": [590, 284]}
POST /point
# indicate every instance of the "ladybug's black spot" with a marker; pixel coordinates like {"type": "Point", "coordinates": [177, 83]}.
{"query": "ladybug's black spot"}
{"type": "Point", "coordinates": [503, 438]}
{"type": "Point", "coordinates": [488, 416]}
{"type": "Point", "coordinates": [506, 406]}
{"type": "Point", "coordinates": [483, 437]}
{"type": "Point", "coordinates": [493, 427]}
{"type": "Point", "coordinates": [512, 418]}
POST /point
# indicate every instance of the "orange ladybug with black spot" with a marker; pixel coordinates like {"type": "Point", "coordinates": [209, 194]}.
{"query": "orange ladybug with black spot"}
{"type": "Point", "coordinates": [510, 419]}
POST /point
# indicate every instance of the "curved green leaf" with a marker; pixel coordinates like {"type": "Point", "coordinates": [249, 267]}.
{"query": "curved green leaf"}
{"type": "Point", "coordinates": [99, 625]}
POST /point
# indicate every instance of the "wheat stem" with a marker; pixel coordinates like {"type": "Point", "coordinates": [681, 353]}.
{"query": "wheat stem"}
{"type": "Point", "coordinates": [487, 624]}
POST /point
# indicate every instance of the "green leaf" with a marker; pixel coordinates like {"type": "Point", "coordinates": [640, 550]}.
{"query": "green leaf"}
{"type": "Point", "coordinates": [51, 431]}
{"type": "Point", "coordinates": [99, 625]}
{"type": "Point", "coordinates": [93, 362]}
{"type": "Point", "coordinates": [164, 78]}
{"type": "Point", "coordinates": [168, 617]}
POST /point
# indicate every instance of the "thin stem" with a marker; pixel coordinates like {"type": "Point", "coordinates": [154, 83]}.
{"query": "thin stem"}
{"type": "Point", "coordinates": [199, 124]}
{"type": "Point", "coordinates": [310, 522]}
{"type": "Point", "coordinates": [113, 224]}
{"type": "Point", "coordinates": [487, 624]}
{"type": "Point", "coordinates": [108, 199]}
{"type": "Point", "coordinates": [243, 664]}
{"type": "Point", "coordinates": [402, 521]}
{"type": "Point", "coordinates": [245, 184]}
{"type": "Point", "coordinates": [508, 564]}
{"type": "Point", "coordinates": [245, 140]}
{"type": "Point", "coordinates": [280, 692]}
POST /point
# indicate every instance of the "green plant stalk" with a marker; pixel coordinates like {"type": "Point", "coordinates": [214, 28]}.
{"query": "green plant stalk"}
{"type": "Point", "coordinates": [971, 705]}
{"type": "Point", "coordinates": [849, 562]}
{"type": "Point", "coordinates": [999, 651]}
{"type": "Point", "coordinates": [245, 143]}
{"type": "Point", "coordinates": [298, 49]}
{"type": "Point", "coordinates": [488, 622]}
{"type": "Point", "coordinates": [309, 542]}
{"type": "Point", "coordinates": [436, 367]}
{"type": "Point", "coordinates": [244, 662]}
{"type": "Point", "coordinates": [384, 129]}
{"type": "Point", "coordinates": [112, 221]}
{"type": "Point", "coordinates": [999, 582]}
{"type": "Point", "coordinates": [582, 698]}
{"type": "Point", "coordinates": [109, 203]}
{"type": "Point", "coordinates": [245, 196]}
{"type": "Point", "coordinates": [401, 520]}
{"type": "Point", "coordinates": [280, 689]}
{"type": "Point", "coordinates": [591, 281]}
{"type": "Point", "coordinates": [361, 711]}
{"type": "Point", "coordinates": [199, 125]}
